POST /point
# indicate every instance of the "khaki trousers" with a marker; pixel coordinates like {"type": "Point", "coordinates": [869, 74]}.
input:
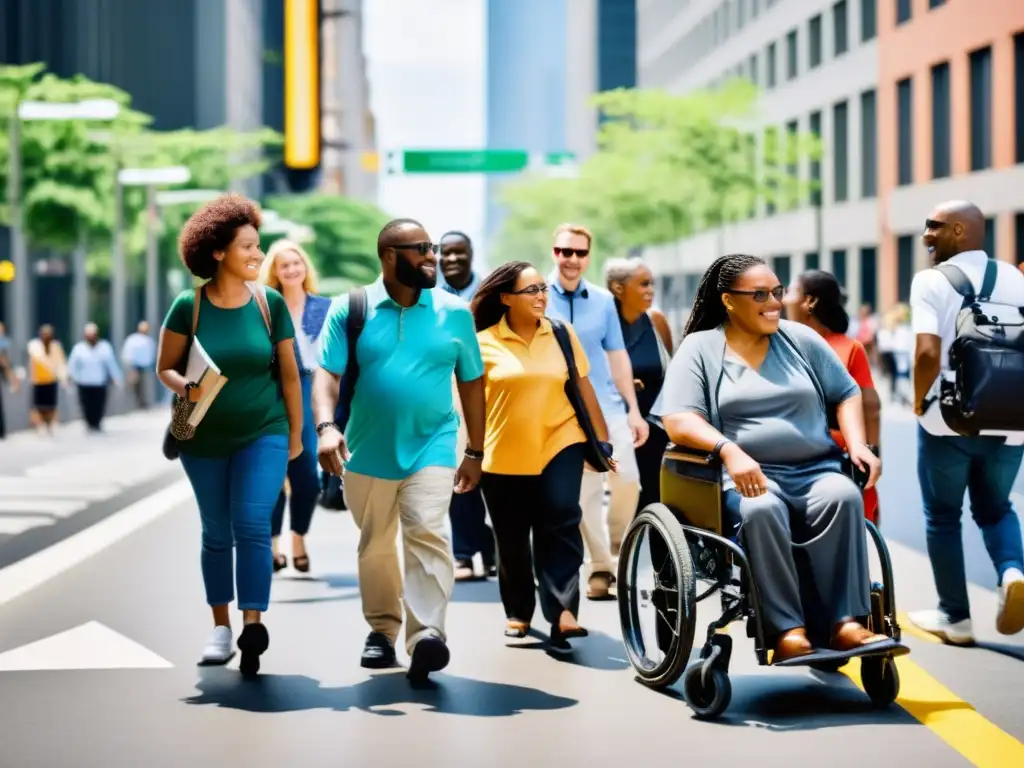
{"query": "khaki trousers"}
{"type": "Point", "coordinates": [420, 502]}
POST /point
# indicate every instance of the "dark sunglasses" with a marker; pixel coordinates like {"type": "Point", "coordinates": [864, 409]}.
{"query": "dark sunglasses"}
{"type": "Point", "coordinates": [531, 290]}
{"type": "Point", "coordinates": [421, 248]}
{"type": "Point", "coordinates": [568, 253]}
{"type": "Point", "coordinates": [761, 295]}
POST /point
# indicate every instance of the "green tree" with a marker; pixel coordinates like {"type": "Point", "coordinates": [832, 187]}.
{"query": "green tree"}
{"type": "Point", "coordinates": [345, 244]}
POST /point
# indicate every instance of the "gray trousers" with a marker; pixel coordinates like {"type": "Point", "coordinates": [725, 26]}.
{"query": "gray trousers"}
{"type": "Point", "coordinates": [821, 513]}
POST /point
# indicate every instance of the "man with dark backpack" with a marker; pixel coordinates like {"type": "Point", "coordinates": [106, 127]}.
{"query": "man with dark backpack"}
{"type": "Point", "coordinates": [399, 446]}
{"type": "Point", "coordinates": [968, 317]}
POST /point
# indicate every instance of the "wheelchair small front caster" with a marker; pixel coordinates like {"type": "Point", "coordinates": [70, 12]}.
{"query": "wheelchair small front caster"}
{"type": "Point", "coordinates": [707, 694]}
{"type": "Point", "coordinates": [880, 679]}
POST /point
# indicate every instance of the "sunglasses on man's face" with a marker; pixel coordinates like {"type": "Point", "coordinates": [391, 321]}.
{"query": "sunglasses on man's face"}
{"type": "Point", "coordinates": [761, 294]}
{"type": "Point", "coordinates": [421, 248]}
{"type": "Point", "coordinates": [568, 253]}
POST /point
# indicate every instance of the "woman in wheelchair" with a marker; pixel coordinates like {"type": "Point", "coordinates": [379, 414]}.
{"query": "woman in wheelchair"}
{"type": "Point", "coordinates": [755, 391]}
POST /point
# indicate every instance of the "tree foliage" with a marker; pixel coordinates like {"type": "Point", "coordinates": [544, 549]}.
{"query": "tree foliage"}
{"type": "Point", "coordinates": [667, 167]}
{"type": "Point", "coordinates": [345, 244]}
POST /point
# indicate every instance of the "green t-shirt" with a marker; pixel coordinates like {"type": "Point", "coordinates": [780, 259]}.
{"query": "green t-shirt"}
{"type": "Point", "coordinates": [251, 404]}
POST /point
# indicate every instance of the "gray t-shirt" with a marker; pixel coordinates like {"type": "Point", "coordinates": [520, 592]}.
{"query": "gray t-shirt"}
{"type": "Point", "coordinates": [774, 414]}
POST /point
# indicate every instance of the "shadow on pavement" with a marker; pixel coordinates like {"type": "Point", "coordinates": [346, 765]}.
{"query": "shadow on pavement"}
{"type": "Point", "coordinates": [1004, 649]}
{"type": "Point", "coordinates": [788, 703]}
{"type": "Point", "coordinates": [477, 591]}
{"type": "Point", "coordinates": [379, 695]}
{"type": "Point", "coordinates": [596, 651]}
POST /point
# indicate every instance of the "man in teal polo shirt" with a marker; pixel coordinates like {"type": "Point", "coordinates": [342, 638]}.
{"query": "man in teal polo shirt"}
{"type": "Point", "coordinates": [399, 445]}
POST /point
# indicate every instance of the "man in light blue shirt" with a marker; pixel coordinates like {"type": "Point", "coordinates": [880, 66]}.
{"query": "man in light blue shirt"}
{"type": "Point", "coordinates": [139, 357]}
{"type": "Point", "coordinates": [92, 365]}
{"type": "Point", "coordinates": [399, 444]}
{"type": "Point", "coordinates": [591, 311]}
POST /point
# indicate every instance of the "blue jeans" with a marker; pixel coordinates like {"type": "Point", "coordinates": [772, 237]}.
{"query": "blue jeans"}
{"type": "Point", "coordinates": [986, 468]}
{"type": "Point", "coordinates": [302, 473]}
{"type": "Point", "coordinates": [470, 532]}
{"type": "Point", "coordinates": [236, 496]}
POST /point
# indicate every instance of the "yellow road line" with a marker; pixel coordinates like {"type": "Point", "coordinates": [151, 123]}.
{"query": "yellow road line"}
{"type": "Point", "coordinates": [949, 717]}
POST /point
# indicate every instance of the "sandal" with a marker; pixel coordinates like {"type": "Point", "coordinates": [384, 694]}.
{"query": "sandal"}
{"type": "Point", "coordinates": [280, 563]}
{"type": "Point", "coordinates": [301, 563]}
{"type": "Point", "coordinates": [850, 635]}
{"type": "Point", "coordinates": [517, 629]}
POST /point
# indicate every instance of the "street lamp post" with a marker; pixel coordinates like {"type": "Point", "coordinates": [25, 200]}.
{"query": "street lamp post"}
{"type": "Point", "coordinates": [25, 111]}
{"type": "Point", "coordinates": [148, 178]}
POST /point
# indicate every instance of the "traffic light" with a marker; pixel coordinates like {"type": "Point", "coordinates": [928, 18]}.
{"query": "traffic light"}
{"type": "Point", "coordinates": [302, 85]}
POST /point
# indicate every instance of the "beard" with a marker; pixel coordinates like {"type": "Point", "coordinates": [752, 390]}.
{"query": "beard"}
{"type": "Point", "coordinates": [411, 276]}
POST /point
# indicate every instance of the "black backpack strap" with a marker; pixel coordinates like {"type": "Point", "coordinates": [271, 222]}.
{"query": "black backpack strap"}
{"type": "Point", "coordinates": [988, 284]}
{"type": "Point", "coordinates": [565, 343]}
{"type": "Point", "coordinates": [960, 282]}
{"type": "Point", "coordinates": [354, 323]}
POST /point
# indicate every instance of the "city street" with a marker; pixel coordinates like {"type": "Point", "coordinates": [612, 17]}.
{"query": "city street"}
{"type": "Point", "coordinates": [100, 633]}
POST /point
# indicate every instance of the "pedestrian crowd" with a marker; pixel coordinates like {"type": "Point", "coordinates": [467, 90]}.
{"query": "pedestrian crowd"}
{"type": "Point", "coordinates": [519, 419]}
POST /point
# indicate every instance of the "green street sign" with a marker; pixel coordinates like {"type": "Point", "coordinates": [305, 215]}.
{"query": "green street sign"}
{"type": "Point", "coordinates": [472, 161]}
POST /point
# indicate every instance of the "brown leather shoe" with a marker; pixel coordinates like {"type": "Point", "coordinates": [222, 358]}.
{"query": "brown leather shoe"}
{"type": "Point", "coordinates": [792, 644]}
{"type": "Point", "coordinates": [850, 634]}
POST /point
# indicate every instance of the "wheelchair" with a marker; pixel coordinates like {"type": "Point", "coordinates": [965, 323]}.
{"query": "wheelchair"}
{"type": "Point", "coordinates": [686, 543]}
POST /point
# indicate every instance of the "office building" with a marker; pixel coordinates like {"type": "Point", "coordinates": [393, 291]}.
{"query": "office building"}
{"type": "Point", "coordinates": [915, 102]}
{"type": "Point", "coordinates": [539, 88]}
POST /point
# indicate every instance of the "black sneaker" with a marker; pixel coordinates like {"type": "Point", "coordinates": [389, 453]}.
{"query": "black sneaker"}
{"type": "Point", "coordinates": [253, 642]}
{"type": "Point", "coordinates": [490, 570]}
{"type": "Point", "coordinates": [428, 655]}
{"type": "Point", "coordinates": [378, 653]}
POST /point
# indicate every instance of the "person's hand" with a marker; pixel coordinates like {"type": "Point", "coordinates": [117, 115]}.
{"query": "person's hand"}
{"type": "Point", "coordinates": [744, 471]}
{"type": "Point", "coordinates": [294, 445]}
{"type": "Point", "coordinates": [865, 460]}
{"type": "Point", "coordinates": [639, 427]}
{"type": "Point", "coordinates": [332, 451]}
{"type": "Point", "coordinates": [468, 475]}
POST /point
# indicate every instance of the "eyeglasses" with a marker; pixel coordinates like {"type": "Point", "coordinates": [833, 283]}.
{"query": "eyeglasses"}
{"type": "Point", "coordinates": [421, 248]}
{"type": "Point", "coordinates": [761, 294]}
{"type": "Point", "coordinates": [568, 253]}
{"type": "Point", "coordinates": [531, 290]}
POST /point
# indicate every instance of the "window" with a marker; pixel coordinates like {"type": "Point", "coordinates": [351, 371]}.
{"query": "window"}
{"type": "Point", "coordinates": [840, 152]}
{"type": "Point", "coordinates": [904, 266]}
{"type": "Point", "coordinates": [990, 237]}
{"type": "Point", "coordinates": [811, 261]}
{"type": "Point", "coordinates": [869, 144]}
{"type": "Point", "coordinates": [869, 277]}
{"type": "Point", "coordinates": [752, 69]}
{"type": "Point", "coordinates": [904, 132]}
{"type": "Point", "coordinates": [981, 109]}
{"type": "Point", "coordinates": [839, 266]}
{"type": "Point", "coordinates": [771, 151]}
{"type": "Point", "coordinates": [791, 56]}
{"type": "Point", "coordinates": [770, 65]}
{"type": "Point", "coordinates": [755, 8]}
{"type": "Point", "coordinates": [814, 42]}
{"type": "Point", "coordinates": [941, 126]}
{"type": "Point", "coordinates": [839, 27]}
{"type": "Point", "coordinates": [868, 20]}
{"type": "Point", "coordinates": [815, 128]}
{"type": "Point", "coordinates": [903, 10]}
{"type": "Point", "coordinates": [1018, 95]}
{"type": "Point", "coordinates": [1018, 231]}
{"type": "Point", "coordinates": [792, 172]}
{"type": "Point", "coordinates": [781, 268]}
{"type": "Point", "coordinates": [741, 13]}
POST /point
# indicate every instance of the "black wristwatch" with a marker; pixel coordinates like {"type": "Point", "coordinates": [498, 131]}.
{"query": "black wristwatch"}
{"type": "Point", "coordinates": [475, 455]}
{"type": "Point", "coordinates": [323, 425]}
{"type": "Point", "coordinates": [717, 450]}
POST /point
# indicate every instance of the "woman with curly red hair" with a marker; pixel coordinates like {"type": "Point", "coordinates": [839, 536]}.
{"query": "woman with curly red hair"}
{"type": "Point", "coordinates": [237, 459]}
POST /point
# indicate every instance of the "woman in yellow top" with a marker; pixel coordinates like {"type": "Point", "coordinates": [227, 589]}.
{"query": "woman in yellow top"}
{"type": "Point", "coordinates": [533, 452]}
{"type": "Point", "coordinates": [48, 368]}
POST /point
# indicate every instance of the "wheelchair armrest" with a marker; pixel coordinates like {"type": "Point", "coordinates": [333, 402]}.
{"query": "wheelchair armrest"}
{"type": "Point", "coordinates": [692, 462]}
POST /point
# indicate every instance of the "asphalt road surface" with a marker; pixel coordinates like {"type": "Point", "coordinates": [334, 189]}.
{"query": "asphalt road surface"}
{"type": "Point", "coordinates": [100, 633]}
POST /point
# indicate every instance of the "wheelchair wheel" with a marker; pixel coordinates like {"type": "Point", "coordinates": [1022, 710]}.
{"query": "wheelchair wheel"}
{"type": "Point", "coordinates": [880, 679]}
{"type": "Point", "coordinates": [657, 597]}
{"type": "Point", "coordinates": [708, 695]}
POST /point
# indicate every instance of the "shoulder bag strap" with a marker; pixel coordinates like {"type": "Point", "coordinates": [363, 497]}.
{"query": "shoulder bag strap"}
{"type": "Point", "coordinates": [355, 321]}
{"type": "Point", "coordinates": [960, 282]}
{"type": "Point", "coordinates": [197, 299]}
{"type": "Point", "coordinates": [988, 284]}
{"type": "Point", "coordinates": [259, 292]}
{"type": "Point", "coordinates": [565, 343]}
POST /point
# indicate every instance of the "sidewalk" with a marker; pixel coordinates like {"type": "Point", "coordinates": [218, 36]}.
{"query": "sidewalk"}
{"type": "Point", "coordinates": [54, 486]}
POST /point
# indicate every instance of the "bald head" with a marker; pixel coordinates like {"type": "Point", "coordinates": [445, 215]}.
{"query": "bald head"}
{"type": "Point", "coordinates": [395, 232]}
{"type": "Point", "coordinates": [954, 227]}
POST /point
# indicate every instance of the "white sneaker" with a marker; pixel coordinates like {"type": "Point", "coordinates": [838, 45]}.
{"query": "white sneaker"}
{"type": "Point", "coordinates": [218, 649]}
{"type": "Point", "coordinates": [936, 623]}
{"type": "Point", "coordinates": [1010, 619]}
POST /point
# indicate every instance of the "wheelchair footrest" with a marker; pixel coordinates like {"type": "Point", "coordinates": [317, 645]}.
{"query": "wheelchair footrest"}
{"type": "Point", "coordinates": [824, 655]}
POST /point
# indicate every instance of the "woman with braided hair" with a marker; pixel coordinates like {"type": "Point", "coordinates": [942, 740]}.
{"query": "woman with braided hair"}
{"type": "Point", "coordinates": [755, 390]}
